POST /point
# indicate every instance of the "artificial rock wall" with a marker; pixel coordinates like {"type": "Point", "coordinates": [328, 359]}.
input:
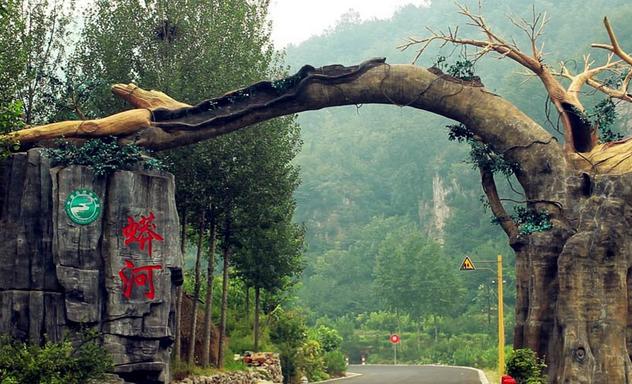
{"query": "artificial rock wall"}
{"type": "Point", "coordinates": [116, 274]}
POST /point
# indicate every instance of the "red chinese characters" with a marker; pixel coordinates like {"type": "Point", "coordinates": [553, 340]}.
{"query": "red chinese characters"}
{"type": "Point", "coordinates": [142, 232]}
{"type": "Point", "coordinates": [142, 276]}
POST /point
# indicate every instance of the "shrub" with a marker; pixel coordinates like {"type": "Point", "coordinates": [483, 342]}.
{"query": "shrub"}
{"type": "Point", "coordinates": [288, 332]}
{"type": "Point", "coordinates": [312, 361]}
{"type": "Point", "coordinates": [53, 363]}
{"type": "Point", "coordinates": [335, 363]}
{"type": "Point", "coordinates": [10, 120]}
{"type": "Point", "coordinates": [525, 366]}
{"type": "Point", "coordinates": [328, 338]}
{"type": "Point", "coordinates": [103, 155]}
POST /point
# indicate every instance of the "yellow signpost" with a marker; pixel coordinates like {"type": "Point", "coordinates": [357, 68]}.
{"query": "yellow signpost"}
{"type": "Point", "coordinates": [501, 321]}
{"type": "Point", "coordinates": [468, 265]}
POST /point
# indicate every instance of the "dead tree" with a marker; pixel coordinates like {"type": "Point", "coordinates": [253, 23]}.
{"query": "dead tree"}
{"type": "Point", "coordinates": [573, 279]}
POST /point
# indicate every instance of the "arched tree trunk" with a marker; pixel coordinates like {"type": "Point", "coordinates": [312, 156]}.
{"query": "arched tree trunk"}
{"type": "Point", "coordinates": [572, 280]}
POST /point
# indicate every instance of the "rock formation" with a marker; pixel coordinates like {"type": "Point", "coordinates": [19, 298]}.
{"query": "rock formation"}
{"type": "Point", "coordinates": [116, 274]}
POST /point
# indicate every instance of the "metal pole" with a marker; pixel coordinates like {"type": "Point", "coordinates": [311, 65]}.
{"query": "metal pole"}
{"type": "Point", "coordinates": [394, 353]}
{"type": "Point", "coordinates": [501, 324]}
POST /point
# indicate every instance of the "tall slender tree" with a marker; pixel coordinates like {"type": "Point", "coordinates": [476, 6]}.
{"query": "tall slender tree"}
{"type": "Point", "coordinates": [197, 282]}
{"type": "Point", "coordinates": [210, 272]}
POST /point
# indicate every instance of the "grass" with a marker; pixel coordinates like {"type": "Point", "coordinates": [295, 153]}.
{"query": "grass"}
{"type": "Point", "coordinates": [492, 375]}
{"type": "Point", "coordinates": [182, 369]}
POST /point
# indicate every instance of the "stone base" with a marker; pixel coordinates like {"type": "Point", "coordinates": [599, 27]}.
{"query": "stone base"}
{"type": "Point", "coordinates": [58, 277]}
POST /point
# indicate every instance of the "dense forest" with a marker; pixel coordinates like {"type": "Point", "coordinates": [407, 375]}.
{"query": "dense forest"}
{"type": "Point", "coordinates": [392, 206]}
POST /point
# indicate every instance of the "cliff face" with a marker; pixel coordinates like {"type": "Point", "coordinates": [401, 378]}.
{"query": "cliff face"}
{"type": "Point", "coordinates": [81, 251]}
{"type": "Point", "coordinates": [434, 214]}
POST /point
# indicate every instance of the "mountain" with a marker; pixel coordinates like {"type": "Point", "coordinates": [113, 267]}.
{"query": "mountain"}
{"type": "Point", "coordinates": [367, 169]}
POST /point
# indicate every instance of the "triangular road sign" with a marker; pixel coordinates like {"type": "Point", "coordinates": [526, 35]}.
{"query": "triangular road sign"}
{"type": "Point", "coordinates": [467, 264]}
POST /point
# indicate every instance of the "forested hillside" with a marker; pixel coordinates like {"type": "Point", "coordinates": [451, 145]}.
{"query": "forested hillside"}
{"type": "Point", "coordinates": [392, 206]}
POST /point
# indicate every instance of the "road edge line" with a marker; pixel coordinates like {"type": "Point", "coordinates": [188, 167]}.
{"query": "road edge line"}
{"type": "Point", "coordinates": [349, 375]}
{"type": "Point", "coordinates": [481, 374]}
{"type": "Point", "coordinates": [482, 377]}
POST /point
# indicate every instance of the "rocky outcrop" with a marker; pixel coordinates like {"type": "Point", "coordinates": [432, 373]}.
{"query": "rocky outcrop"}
{"type": "Point", "coordinates": [437, 211]}
{"type": "Point", "coordinates": [116, 274]}
{"type": "Point", "coordinates": [268, 366]}
{"type": "Point", "coordinates": [245, 377]}
{"type": "Point", "coordinates": [269, 372]}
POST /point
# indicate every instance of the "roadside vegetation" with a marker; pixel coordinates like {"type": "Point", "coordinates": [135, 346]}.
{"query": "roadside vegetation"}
{"type": "Point", "coordinates": [68, 362]}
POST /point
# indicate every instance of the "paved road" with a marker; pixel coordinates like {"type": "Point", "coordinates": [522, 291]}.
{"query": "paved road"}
{"type": "Point", "coordinates": [422, 374]}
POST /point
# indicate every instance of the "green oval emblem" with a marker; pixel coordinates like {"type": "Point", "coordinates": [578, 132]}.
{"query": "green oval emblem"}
{"type": "Point", "coordinates": [83, 206]}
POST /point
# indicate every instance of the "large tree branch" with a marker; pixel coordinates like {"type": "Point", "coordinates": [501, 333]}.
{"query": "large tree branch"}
{"type": "Point", "coordinates": [615, 47]}
{"type": "Point", "coordinates": [578, 136]}
{"type": "Point", "coordinates": [505, 220]}
{"type": "Point", "coordinates": [497, 122]}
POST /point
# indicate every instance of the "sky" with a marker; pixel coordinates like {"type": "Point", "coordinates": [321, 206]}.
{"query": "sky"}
{"type": "Point", "coordinates": [294, 21]}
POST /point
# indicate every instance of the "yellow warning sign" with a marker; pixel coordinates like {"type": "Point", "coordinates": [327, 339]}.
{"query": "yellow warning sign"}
{"type": "Point", "coordinates": [467, 264]}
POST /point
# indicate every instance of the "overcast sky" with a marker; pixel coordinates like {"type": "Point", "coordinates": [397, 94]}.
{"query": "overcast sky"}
{"type": "Point", "coordinates": [294, 21]}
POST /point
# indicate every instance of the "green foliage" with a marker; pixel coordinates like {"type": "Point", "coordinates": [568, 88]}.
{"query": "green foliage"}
{"type": "Point", "coordinates": [615, 79]}
{"type": "Point", "coordinates": [411, 277]}
{"type": "Point", "coordinates": [526, 367]}
{"type": "Point", "coordinates": [11, 117]}
{"type": "Point", "coordinates": [288, 332]}
{"type": "Point", "coordinates": [311, 361]}
{"type": "Point", "coordinates": [155, 164]}
{"type": "Point", "coordinates": [10, 120]}
{"type": "Point", "coordinates": [54, 363]}
{"type": "Point", "coordinates": [182, 369]}
{"type": "Point", "coordinates": [383, 320]}
{"type": "Point", "coordinates": [335, 364]}
{"type": "Point", "coordinates": [288, 329]}
{"type": "Point", "coordinates": [311, 352]}
{"type": "Point", "coordinates": [481, 155]}
{"type": "Point", "coordinates": [530, 220]}
{"type": "Point", "coordinates": [12, 52]}
{"type": "Point", "coordinates": [604, 116]}
{"type": "Point", "coordinates": [462, 68]}
{"type": "Point", "coordinates": [328, 338]}
{"type": "Point", "coordinates": [34, 35]}
{"type": "Point", "coordinates": [102, 155]}
{"type": "Point", "coordinates": [459, 133]}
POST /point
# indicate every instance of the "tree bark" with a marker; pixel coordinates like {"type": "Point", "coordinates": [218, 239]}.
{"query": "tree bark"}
{"type": "Point", "coordinates": [572, 281]}
{"type": "Point", "coordinates": [225, 276]}
{"type": "Point", "coordinates": [196, 291]}
{"type": "Point", "coordinates": [256, 324]}
{"type": "Point", "coordinates": [247, 309]}
{"type": "Point", "coordinates": [160, 126]}
{"type": "Point", "coordinates": [208, 311]}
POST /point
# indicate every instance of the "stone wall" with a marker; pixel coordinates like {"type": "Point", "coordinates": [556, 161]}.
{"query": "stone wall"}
{"type": "Point", "coordinates": [116, 274]}
{"type": "Point", "coordinates": [269, 372]}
